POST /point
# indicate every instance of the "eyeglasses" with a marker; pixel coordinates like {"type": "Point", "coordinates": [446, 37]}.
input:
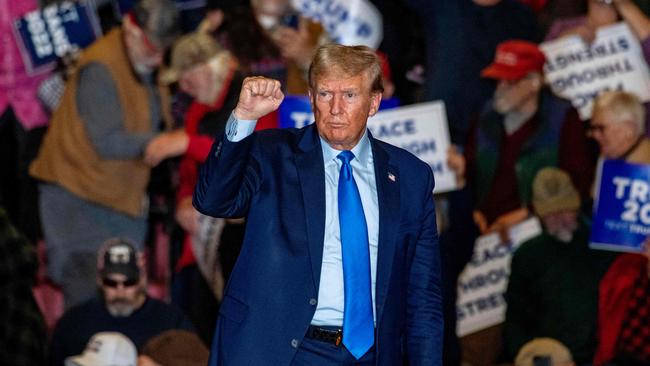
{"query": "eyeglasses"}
{"type": "Point", "coordinates": [112, 283]}
{"type": "Point", "coordinates": [596, 127]}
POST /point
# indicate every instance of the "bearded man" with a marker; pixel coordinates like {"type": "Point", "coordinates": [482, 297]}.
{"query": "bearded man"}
{"type": "Point", "coordinates": [553, 288]}
{"type": "Point", "coordinates": [122, 305]}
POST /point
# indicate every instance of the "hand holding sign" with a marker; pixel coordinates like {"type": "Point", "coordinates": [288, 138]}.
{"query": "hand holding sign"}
{"type": "Point", "coordinates": [622, 207]}
{"type": "Point", "coordinates": [259, 96]}
{"type": "Point", "coordinates": [457, 164]}
{"type": "Point", "coordinates": [579, 71]}
{"type": "Point", "coordinates": [295, 44]}
{"type": "Point", "coordinates": [584, 31]}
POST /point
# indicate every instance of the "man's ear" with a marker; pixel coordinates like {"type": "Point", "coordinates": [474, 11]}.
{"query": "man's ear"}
{"type": "Point", "coordinates": [537, 81]}
{"type": "Point", "coordinates": [311, 98]}
{"type": "Point", "coordinates": [128, 24]}
{"type": "Point", "coordinates": [375, 100]}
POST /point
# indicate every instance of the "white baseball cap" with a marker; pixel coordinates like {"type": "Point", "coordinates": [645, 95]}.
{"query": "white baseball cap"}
{"type": "Point", "coordinates": [106, 349]}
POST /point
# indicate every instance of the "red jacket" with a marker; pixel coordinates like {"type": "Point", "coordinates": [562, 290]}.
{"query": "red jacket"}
{"type": "Point", "coordinates": [615, 291]}
{"type": "Point", "coordinates": [197, 151]}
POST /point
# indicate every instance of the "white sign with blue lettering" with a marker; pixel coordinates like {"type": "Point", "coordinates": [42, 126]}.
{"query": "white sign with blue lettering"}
{"type": "Point", "coordinates": [348, 22]}
{"type": "Point", "coordinates": [419, 128]}
{"type": "Point", "coordinates": [621, 219]}
{"type": "Point", "coordinates": [579, 71]}
{"type": "Point", "coordinates": [422, 130]}
{"type": "Point", "coordinates": [484, 280]}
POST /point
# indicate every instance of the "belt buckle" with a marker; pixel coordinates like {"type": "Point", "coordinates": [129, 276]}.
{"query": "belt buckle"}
{"type": "Point", "coordinates": [339, 338]}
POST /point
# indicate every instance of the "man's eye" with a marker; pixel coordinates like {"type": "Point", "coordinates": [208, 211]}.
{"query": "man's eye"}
{"type": "Point", "coordinates": [324, 95]}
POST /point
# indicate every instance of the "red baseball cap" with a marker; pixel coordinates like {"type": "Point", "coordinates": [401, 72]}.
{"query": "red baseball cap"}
{"type": "Point", "coordinates": [514, 59]}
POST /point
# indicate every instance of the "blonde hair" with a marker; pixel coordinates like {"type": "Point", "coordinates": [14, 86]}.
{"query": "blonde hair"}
{"type": "Point", "coordinates": [624, 106]}
{"type": "Point", "coordinates": [350, 61]}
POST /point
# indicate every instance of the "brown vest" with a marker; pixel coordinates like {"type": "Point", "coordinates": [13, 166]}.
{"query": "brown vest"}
{"type": "Point", "coordinates": [67, 156]}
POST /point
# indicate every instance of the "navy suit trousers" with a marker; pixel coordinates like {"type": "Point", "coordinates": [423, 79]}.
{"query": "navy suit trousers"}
{"type": "Point", "coordinates": [313, 352]}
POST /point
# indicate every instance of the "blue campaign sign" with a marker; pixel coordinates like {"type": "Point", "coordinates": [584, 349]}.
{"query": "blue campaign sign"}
{"type": "Point", "coordinates": [622, 207]}
{"type": "Point", "coordinates": [295, 110]}
{"type": "Point", "coordinates": [46, 34]}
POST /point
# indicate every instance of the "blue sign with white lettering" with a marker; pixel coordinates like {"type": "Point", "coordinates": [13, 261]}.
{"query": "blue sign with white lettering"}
{"type": "Point", "coordinates": [46, 34]}
{"type": "Point", "coordinates": [295, 110]}
{"type": "Point", "coordinates": [622, 208]}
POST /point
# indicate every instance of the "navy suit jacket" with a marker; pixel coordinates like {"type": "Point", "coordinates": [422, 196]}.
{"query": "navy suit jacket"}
{"type": "Point", "coordinates": [276, 178]}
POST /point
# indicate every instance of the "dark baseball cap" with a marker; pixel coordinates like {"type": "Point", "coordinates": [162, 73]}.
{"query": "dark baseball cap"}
{"type": "Point", "coordinates": [119, 256]}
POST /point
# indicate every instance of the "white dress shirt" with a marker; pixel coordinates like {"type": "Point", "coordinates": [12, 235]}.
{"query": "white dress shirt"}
{"type": "Point", "coordinates": [329, 310]}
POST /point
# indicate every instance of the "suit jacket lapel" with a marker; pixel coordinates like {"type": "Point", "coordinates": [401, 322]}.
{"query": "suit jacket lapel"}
{"type": "Point", "coordinates": [388, 192]}
{"type": "Point", "coordinates": [311, 172]}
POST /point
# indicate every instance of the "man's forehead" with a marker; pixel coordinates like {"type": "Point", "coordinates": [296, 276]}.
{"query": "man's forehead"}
{"type": "Point", "coordinates": [343, 82]}
{"type": "Point", "coordinates": [197, 70]}
{"type": "Point", "coordinates": [604, 116]}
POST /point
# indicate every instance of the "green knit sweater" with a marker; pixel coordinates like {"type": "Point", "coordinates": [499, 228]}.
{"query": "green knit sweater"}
{"type": "Point", "coordinates": [553, 292]}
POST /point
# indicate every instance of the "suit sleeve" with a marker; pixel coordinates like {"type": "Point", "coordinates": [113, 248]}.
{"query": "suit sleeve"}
{"type": "Point", "coordinates": [424, 295]}
{"type": "Point", "coordinates": [229, 178]}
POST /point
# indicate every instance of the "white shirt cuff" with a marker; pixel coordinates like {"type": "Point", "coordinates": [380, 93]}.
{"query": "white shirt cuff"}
{"type": "Point", "coordinates": [239, 129]}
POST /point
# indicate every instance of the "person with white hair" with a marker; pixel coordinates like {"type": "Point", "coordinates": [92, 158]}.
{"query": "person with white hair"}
{"type": "Point", "coordinates": [122, 305]}
{"type": "Point", "coordinates": [618, 126]}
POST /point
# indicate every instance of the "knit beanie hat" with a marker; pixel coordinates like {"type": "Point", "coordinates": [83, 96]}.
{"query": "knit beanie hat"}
{"type": "Point", "coordinates": [553, 192]}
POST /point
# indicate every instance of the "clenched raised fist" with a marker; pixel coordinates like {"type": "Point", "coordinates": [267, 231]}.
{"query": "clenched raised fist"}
{"type": "Point", "coordinates": [259, 96]}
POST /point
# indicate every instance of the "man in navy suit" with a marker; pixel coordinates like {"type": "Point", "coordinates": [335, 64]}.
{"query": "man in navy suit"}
{"type": "Point", "coordinates": [340, 262]}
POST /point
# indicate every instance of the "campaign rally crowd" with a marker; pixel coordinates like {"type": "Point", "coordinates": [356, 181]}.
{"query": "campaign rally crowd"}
{"type": "Point", "coordinates": [104, 129]}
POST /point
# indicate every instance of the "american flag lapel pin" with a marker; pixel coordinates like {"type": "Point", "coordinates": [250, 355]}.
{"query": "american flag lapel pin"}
{"type": "Point", "coordinates": [391, 177]}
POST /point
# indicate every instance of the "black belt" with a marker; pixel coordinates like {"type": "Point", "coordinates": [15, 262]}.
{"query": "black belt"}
{"type": "Point", "coordinates": [331, 335]}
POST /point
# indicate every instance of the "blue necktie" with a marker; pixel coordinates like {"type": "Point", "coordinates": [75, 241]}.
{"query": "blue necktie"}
{"type": "Point", "coordinates": [358, 324]}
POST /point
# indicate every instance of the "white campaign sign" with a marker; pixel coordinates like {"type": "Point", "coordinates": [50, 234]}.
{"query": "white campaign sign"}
{"type": "Point", "coordinates": [579, 72]}
{"type": "Point", "coordinates": [421, 129]}
{"type": "Point", "coordinates": [484, 280]}
{"type": "Point", "coordinates": [348, 22]}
